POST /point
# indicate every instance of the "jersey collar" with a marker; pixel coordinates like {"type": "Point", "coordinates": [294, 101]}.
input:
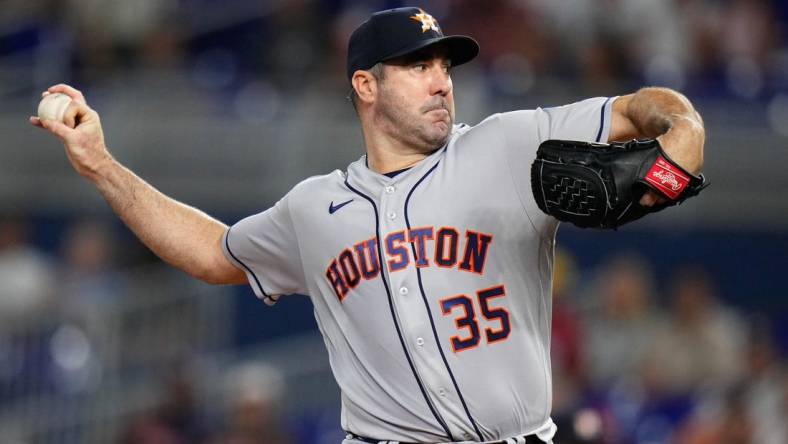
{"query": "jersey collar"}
{"type": "Point", "coordinates": [371, 182]}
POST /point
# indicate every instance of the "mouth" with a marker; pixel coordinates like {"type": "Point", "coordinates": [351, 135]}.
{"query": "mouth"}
{"type": "Point", "coordinates": [438, 104]}
{"type": "Point", "coordinates": [439, 113]}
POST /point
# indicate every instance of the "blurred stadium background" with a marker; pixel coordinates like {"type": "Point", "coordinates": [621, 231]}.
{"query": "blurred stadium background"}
{"type": "Point", "coordinates": [672, 330]}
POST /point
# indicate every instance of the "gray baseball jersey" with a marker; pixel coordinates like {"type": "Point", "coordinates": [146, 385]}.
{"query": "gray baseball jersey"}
{"type": "Point", "coordinates": [432, 289]}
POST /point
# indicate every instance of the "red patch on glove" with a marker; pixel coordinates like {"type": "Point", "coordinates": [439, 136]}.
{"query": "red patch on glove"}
{"type": "Point", "coordinates": [667, 178]}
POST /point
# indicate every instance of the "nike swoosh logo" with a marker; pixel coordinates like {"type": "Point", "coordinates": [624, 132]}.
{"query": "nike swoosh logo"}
{"type": "Point", "coordinates": [332, 208]}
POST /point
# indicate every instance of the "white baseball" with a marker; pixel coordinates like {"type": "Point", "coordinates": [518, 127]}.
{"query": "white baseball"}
{"type": "Point", "coordinates": [53, 106]}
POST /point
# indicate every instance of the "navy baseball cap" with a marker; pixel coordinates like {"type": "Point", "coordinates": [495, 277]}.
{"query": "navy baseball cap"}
{"type": "Point", "coordinates": [396, 32]}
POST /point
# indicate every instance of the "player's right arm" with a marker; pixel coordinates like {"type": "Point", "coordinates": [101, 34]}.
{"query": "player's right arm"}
{"type": "Point", "coordinates": [180, 235]}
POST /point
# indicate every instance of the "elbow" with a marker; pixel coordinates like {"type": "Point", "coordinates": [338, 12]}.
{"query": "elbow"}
{"type": "Point", "coordinates": [656, 110]}
{"type": "Point", "coordinates": [209, 278]}
{"type": "Point", "coordinates": [215, 274]}
{"type": "Point", "coordinates": [204, 274]}
{"type": "Point", "coordinates": [207, 273]}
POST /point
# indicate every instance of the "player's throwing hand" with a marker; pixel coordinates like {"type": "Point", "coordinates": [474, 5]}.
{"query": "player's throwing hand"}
{"type": "Point", "coordinates": [80, 133]}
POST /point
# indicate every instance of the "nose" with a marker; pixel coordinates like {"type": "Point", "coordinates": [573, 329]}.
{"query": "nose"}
{"type": "Point", "coordinates": [440, 83]}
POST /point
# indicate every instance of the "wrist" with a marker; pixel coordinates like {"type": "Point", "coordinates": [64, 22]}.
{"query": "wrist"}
{"type": "Point", "coordinates": [102, 169]}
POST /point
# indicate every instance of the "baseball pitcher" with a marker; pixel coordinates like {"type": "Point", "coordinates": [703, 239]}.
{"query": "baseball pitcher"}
{"type": "Point", "coordinates": [429, 259]}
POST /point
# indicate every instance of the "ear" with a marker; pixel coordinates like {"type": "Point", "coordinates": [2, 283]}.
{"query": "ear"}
{"type": "Point", "coordinates": [366, 86]}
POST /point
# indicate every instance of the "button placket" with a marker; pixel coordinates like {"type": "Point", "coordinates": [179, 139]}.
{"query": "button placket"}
{"type": "Point", "coordinates": [410, 307]}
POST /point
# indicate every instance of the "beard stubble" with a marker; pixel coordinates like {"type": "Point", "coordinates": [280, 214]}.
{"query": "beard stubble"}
{"type": "Point", "coordinates": [410, 127]}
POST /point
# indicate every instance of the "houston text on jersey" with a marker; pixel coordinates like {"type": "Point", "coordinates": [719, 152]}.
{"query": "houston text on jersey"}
{"type": "Point", "coordinates": [428, 246]}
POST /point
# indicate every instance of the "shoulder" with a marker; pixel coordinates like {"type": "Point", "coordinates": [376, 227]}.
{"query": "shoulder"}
{"type": "Point", "coordinates": [463, 130]}
{"type": "Point", "coordinates": [504, 127]}
{"type": "Point", "coordinates": [523, 117]}
{"type": "Point", "coordinates": [317, 185]}
{"type": "Point", "coordinates": [464, 135]}
{"type": "Point", "coordinates": [299, 203]}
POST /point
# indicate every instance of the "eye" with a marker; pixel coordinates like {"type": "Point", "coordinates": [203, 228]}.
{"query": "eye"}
{"type": "Point", "coordinates": [420, 67]}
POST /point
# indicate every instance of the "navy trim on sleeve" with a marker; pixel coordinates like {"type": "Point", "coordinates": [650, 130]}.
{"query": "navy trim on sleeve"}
{"type": "Point", "coordinates": [257, 281]}
{"type": "Point", "coordinates": [602, 121]}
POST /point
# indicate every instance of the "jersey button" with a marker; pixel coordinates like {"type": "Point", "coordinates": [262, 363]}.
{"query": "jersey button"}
{"type": "Point", "coordinates": [420, 341]}
{"type": "Point", "coordinates": [389, 189]}
{"type": "Point", "coordinates": [392, 215]}
{"type": "Point", "coordinates": [467, 435]}
{"type": "Point", "coordinates": [442, 392]}
{"type": "Point", "coordinates": [403, 291]}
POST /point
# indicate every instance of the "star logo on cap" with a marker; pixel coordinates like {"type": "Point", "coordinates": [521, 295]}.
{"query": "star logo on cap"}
{"type": "Point", "coordinates": [426, 20]}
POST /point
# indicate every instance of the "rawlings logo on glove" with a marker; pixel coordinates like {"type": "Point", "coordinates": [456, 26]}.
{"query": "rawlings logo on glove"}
{"type": "Point", "coordinates": [667, 178]}
{"type": "Point", "coordinates": [599, 185]}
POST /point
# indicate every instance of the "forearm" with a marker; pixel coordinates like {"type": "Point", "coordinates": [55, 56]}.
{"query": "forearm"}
{"type": "Point", "coordinates": [179, 234]}
{"type": "Point", "coordinates": [670, 117]}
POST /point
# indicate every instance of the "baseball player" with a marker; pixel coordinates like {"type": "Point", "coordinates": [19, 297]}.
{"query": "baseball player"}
{"type": "Point", "coordinates": [428, 263]}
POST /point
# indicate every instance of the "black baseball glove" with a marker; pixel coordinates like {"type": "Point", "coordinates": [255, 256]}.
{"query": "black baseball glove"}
{"type": "Point", "coordinates": [598, 185]}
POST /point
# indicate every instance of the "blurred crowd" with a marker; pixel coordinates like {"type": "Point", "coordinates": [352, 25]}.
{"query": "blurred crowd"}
{"type": "Point", "coordinates": [54, 306]}
{"type": "Point", "coordinates": [714, 47]}
{"type": "Point", "coordinates": [641, 361]}
{"type": "Point", "coordinates": [637, 359]}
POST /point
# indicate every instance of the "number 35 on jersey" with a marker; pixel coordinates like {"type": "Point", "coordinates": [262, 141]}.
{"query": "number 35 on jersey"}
{"type": "Point", "coordinates": [429, 246]}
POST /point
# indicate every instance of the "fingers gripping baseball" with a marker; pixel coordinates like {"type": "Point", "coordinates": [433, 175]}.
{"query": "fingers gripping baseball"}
{"type": "Point", "coordinates": [80, 131]}
{"type": "Point", "coordinates": [70, 91]}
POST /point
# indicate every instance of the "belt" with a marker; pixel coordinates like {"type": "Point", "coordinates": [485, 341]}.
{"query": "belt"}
{"type": "Point", "coordinates": [521, 439]}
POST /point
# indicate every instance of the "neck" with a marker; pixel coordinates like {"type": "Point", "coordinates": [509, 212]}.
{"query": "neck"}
{"type": "Point", "coordinates": [381, 161]}
{"type": "Point", "coordinates": [386, 154]}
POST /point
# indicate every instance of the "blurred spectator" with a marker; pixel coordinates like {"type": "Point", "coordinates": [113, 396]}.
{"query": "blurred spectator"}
{"type": "Point", "coordinates": [659, 52]}
{"type": "Point", "coordinates": [515, 47]}
{"type": "Point", "coordinates": [585, 53]}
{"type": "Point", "coordinates": [176, 419]}
{"type": "Point", "coordinates": [89, 292]}
{"type": "Point", "coordinates": [615, 39]}
{"type": "Point", "coordinates": [26, 287]}
{"type": "Point", "coordinates": [619, 329]}
{"type": "Point", "coordinates": [341, 29]}
{"type": "Point", "coordinates": [297, 43]}
{"type": "Point", "coordinates": [26, 274]}
{"type": "Point", "coordinates": [700, 23]}
{"type": "Point", "coordinates": [748, 38]}
{"type": "Point", "coordinates": [89, 283]}
{"type": "Point", "coordinates": [90, 287]}
{"type": "Point", "coordinates": [703, 341]}
{"type": "Point", "coordinates": [565, 345]}
{"type": "Point", "coordinates": [766, 394]}
{"type": "Point", "coordinates": [576, 425]}
{"type": "Point", "coordinates": [150, 430]}
{"type": "Point", "coordinates": [119, 31]}
{"type": "Point", "coordinates": [748, 29]}
{"type": "Point", "coordinates": [253, 393]}
{"type": "Point", "coordinates": [731, 424]}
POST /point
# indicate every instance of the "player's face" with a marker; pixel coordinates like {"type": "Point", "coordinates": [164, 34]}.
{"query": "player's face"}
{"type": "Point", "coordinates": [415, 102]}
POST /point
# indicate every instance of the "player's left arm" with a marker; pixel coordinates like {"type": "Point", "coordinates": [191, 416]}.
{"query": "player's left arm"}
{"type": "Point", "coordinates": [663, 114]}
{"type": "Point", "coordinates": [669, 117]}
